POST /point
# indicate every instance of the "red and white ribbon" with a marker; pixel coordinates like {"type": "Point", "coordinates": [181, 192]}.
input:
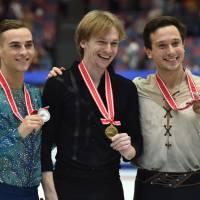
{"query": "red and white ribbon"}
{"type": "Point", "coordinates": [168, 97]}
{"type": "Point", "coordinates": [11, 100]}
{"type": "Point", "coordinates": [107, 114]}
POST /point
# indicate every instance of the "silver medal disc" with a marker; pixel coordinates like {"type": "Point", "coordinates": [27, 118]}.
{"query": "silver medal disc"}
{"type": "Point", "coordinates": [44, 114]}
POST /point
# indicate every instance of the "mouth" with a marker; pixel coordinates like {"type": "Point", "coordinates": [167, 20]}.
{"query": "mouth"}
{"type": "Point", "coordinates": [173, 59]}
{"type": "Point", "coordinates": [22, 60]}
{"type": "Point", "coordinates": [105, 57]}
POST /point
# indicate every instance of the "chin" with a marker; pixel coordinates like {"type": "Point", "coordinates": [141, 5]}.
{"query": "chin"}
{"type": "Point", "coordinates": [22, 69]}
{"type": "Point", "coordinates": [172, 67]}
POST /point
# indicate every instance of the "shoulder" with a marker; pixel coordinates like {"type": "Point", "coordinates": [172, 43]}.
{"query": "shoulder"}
{"type": "Point", "coordinates": [196, 79]}
{"type": "Point", "coordinates": [33, 89]}
{"type": "Point", "coordinates": [65, 77]}
{"type": "Point", "coordinates": [57, 82]}
{"type": "Point", "coordinates": [59, 86]}
{"type": "Point", "coordinates": [124, 82]}
{"type": "Point", "coordinates": [36, 94]}
{"type": "Point", "coordinates": [142, 83]}
{"type": "Point", "coordinates": [147, 86]}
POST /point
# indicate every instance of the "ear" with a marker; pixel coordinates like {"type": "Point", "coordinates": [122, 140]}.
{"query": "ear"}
{"type": "Point", "coordinates": [82, 44]}
{"type": "Point", "coordinates": [148, 52]}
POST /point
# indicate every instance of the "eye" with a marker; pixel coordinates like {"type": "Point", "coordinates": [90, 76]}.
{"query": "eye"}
{"type": "Point", "coordinates": [175, 44]}
{"type": "Point", "coordinates": [115, 44]}
{"type": "Point", "coordinates": [15, 46]}
{"type": "Point", "coordinates": [29, 45]}
{"type": "Point", "coordinates": [101, 42]}
{"type": "Point", "coordinates": [161, 46]}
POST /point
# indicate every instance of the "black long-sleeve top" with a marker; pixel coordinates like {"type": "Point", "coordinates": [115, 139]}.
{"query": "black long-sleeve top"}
{"type": "Point", "coordinates": [75, 127]}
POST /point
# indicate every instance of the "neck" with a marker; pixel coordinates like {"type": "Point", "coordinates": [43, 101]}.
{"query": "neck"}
{"type": "Point", "coordinates": [172, 79]}
{"type": "Point", "coordinates": [15, 80]}
{"type": "Point", "coordinates": [94, 72]}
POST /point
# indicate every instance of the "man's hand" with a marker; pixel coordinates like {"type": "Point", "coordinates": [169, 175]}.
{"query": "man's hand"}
{"type": "Point", "coordinates": [122, 143]}
{"type": "Point", "coordinates": [30, 124]}
{"type": "Point", "coordinates": [55, 71]}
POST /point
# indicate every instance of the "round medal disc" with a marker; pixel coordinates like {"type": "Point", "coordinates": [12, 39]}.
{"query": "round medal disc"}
{"type": "Point", "coordinates": [44, 113]}
{"type": "Point", "coordinates": [111, 131]}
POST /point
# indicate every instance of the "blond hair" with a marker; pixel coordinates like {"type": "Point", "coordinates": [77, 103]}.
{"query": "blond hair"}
{"type": "Point", "coordinates": [96, 23]}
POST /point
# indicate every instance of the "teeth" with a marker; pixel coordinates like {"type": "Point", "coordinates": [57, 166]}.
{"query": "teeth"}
{"type": "Point", "coordinates": [171, 59]}
{"type": "Point", "coordinates": [24, 60]}
{"type": "Point", "coordinates": [105, 57]}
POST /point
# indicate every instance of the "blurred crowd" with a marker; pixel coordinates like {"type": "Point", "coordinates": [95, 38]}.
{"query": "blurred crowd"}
{"type": "Point", "coordinates": [40, 15]}
{"type": "Point", "coordinates": [135, 13]}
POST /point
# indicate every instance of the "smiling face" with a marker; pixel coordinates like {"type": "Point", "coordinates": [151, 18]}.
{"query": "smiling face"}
{"type": "Point", "coordinates": [16, 50]}
{"type": "Point", "coordinates": [167, 48]}
{"type": "Point", "coordinates": [99, 51]}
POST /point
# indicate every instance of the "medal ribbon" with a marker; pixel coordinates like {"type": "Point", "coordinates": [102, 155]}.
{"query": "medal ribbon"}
{"type": "Point", "coordinates": [108, 115]}
{"type": "Point", "coordinates": [168, 96]}
{"type": "Point", "coordinates": [11, 100]}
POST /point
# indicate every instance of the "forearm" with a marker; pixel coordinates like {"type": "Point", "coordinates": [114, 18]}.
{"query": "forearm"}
{"type": "Point", "coordinates": [48, 186]}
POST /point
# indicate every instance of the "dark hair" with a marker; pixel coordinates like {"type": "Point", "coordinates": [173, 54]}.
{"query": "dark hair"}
{"type": "Point", "coordinates": [8, 24]}
{"type": "Point", "coordinates": [160, 22]}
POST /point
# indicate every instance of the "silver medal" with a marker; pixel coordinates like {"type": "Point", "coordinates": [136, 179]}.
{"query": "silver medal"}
{"type": "Point", "coordinates": [44, 114]}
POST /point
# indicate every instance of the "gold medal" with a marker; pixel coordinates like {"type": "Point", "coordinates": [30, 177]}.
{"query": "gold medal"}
{"type": "Point", "coordinates": [109, 112]}
{"type": "Point", "coordinates": [111, 131]}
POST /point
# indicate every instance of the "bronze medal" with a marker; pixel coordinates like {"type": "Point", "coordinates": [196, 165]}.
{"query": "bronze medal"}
{"type": "Point", "coordinates": [111, 131]}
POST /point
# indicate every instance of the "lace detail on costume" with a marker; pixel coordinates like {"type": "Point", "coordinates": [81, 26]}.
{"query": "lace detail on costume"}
{"type": "Point", "coordinates": [168, 116]}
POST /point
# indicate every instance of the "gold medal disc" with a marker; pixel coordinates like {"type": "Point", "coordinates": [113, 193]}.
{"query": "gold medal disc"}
{"type": "Point", "coordinates": [111, 131]}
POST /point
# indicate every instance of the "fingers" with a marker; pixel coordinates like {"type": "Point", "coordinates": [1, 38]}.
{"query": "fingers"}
{"type": "Point", "coordinates": [30, 123]}
{"type": "Point", "coordinates": [52, 73]}
{"type": "Point", "coordinates": [55, 71]}
{"type": "Point", "coordinates": [121, 142]}
{"type": "Point", "coordinates": [62, 68]}
{"type": "Point", "coordinates": [33, 119]}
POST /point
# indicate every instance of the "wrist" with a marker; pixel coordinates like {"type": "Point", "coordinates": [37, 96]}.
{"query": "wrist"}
{"type": "Point", "coordinates": [21, 133]}
{"type": "Point", "coordinates": [130, 153]}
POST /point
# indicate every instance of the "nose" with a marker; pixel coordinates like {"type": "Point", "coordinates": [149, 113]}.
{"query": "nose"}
{"type": "Point", "coordinates": [23, 50]}
{"type": "Point", "coordinates": [171, 49]}
{"type": "Point", "coordinates": [108, 47]}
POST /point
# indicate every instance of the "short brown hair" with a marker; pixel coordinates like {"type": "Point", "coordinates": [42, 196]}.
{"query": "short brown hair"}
{"type": "Point", "coordinates": [159, 22]}
{"type": "Point", "coordinates": [8, 24]}
{"type": "Point", "coordinates": [95, 23]}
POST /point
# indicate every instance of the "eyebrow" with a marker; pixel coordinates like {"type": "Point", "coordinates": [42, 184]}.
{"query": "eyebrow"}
{"type": "Point", "coordinates": [17, 42]}
{"type": "Point", "coordinates": [173, 39]}
{"type": "Point", "coordinates": [101, 38]}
